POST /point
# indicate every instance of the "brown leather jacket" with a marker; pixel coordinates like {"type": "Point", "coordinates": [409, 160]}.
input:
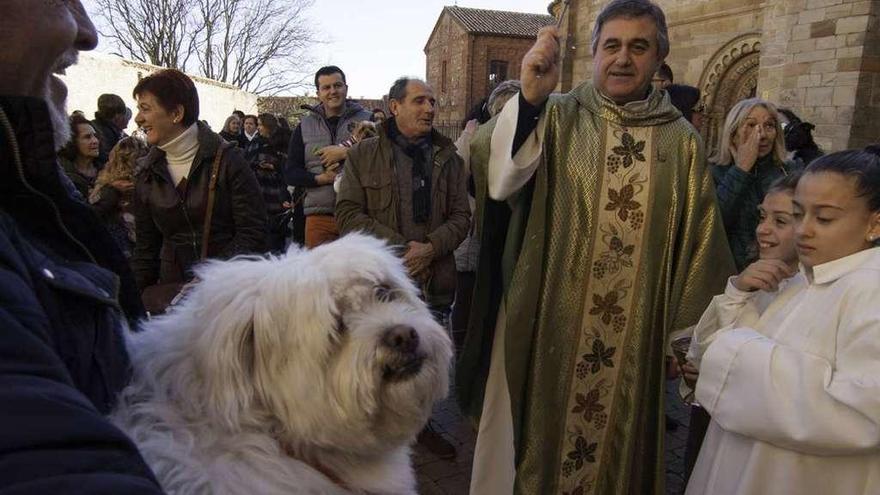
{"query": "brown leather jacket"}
{"type": "Point", "coordinates": [367, 201]}
{"type": "Point", "coordinates": [168, 220]}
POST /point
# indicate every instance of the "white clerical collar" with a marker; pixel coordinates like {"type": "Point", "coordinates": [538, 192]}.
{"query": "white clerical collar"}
{"type": "Point", "coordinates": [833, 270]}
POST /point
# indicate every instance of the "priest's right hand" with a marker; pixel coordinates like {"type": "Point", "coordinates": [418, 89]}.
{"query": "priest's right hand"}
{"type": "Point", "coordinates": [540, 67]}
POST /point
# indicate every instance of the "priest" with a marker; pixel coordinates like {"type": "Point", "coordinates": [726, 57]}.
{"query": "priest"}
{"type": "Point", "coordinates": [600, 237]}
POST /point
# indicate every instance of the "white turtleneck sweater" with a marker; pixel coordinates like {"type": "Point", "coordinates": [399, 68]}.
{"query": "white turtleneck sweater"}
{"type": "Point", "coordinates": [181, 152]}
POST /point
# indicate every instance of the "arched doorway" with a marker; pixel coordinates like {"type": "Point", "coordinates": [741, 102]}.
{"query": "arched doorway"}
{"type": "Point", "coordinates": [730, 76]}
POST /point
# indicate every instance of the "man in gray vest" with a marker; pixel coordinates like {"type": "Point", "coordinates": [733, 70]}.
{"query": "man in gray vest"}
{"type": "Point", "coordinates": [315, 156]}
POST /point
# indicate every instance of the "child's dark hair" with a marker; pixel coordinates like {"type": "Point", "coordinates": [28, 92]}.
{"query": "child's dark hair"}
{"type": "Point", "coordinates": [862, 165]}
{"type": "Point", "coordinates": [787, 183]}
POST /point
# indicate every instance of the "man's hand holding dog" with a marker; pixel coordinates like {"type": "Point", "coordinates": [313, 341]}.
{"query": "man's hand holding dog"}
{"type": "Point", "coordinates": [418, 257]}
{"type": "Point", "coordinates": [332, 154]}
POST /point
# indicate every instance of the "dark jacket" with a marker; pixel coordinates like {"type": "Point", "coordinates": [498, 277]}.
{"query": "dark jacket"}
{"type": "Point", "coordinates": [83, 183]}
{"type": "Point", "coordinates": [739, 195]}
{"type": "Point", "coordinates": [250, 147]}
{"type": "Point", "coordinates": [115, 210]}
{"type": "Point", "coordinates": [230, 137]}
{"type": "Point", "coordinates": [108, 136]}
{"type": "Point", "coordinates": [62, 358]}
{"type": "Point", "coordinates": [168, 220]}
{"type": "Point", "coordinates": [267, 166]}
{"type": "Point", "coordinates": [368, 202]}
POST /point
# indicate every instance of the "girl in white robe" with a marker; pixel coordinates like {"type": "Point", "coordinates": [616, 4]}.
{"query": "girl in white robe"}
{"type": "Point", "coordinates": [749, 293]}
{"type": "Point", "coordinates": [794, 388]}
{"type": "Point", "coordinates": [738, 304]}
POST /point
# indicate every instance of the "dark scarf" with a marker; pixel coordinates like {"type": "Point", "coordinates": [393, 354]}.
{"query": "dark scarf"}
{"type": "Point", "coordinates": [420, 154]}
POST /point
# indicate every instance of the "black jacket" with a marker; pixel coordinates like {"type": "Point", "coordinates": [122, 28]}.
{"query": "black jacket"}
{"type": "Point", "coordinates": [108, 136]}
{"type": "Point", "coordinates": [62, 355]}
{"type": "Point", "coordinates": [168, 220]}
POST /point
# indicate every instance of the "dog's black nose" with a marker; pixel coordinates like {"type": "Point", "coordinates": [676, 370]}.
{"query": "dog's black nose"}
{"type": "Point", "coordinates": [401, 338]}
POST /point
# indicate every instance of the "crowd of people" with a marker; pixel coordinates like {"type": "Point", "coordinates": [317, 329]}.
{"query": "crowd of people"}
{"type": "Point", "coordinates": [565, 240]}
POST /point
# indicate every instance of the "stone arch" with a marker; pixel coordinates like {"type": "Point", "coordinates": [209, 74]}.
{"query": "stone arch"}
{"type": "Point", "coordinates": [730, 76]}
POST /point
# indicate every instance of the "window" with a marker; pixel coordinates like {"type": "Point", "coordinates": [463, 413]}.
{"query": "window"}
{"type": "Point", "coordinates": [497, 73]}
{"type": "Point", "coordinates": [443, 77]}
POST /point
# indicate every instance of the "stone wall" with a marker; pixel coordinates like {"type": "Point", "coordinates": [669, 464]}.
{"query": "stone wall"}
{"type": "Point", "coordinates": [98, 73]}
{"type": "Point", "coordinates": [698, 29]}
{"type": "Point", "coordinates": [821, 58]}
{"type": "Point", "coordinates": [823, 61]}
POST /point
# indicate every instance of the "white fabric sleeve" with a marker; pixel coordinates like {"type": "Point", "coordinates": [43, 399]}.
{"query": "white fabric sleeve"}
{"type": "Point", "coordinates": [732, 307]}
{"type": "Point", "coordinates": [507, 174]}
{"type": "Point", "coordinates": [756, 387]}
{"type": "Point", "coordinates": [463, 148]}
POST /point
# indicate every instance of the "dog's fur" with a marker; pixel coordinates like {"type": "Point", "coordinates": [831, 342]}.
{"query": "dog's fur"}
{"type": "Point", "coordinates": [283, 375]}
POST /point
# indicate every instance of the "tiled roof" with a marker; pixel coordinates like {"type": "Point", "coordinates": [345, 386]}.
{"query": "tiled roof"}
{"type": "Point", "coordinates": [500, 22]}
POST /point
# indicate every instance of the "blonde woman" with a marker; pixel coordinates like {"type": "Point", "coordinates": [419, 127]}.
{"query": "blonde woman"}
{"type": "Point", "coordinates": [232, 130]}
{"type": "Point", "coordinates": [749, 160]}
{"type": "Point", "coordinates": [111, 196]}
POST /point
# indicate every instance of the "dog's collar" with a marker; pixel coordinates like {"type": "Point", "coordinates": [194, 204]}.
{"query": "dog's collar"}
{"type": "Point", "coordinates": [317, 466]}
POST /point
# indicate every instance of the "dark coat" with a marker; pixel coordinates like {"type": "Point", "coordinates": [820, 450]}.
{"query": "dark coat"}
{"type": "Point", "coordinates": [230, 137]}
{"type": "Point", "coordinates": [108, 136]}
{"type": "Point", "coordinates": [169, 220]}
{"type": "Point", "coordinates": [83, 184]}
{"type": "Point", "coordinates": [62, 357]}
{"type": "Point", "coordinates": [111, 206]}
{"type": "Point", "coordinates": [368, 201]}
{"type": "Point", "coordinates": [267, 166]}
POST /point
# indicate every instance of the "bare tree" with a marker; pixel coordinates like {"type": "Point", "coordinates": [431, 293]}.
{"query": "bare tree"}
{"type": "Point", "coordinates": [258, 45]}
{"type": "Point", "coordinates": [148, 30]}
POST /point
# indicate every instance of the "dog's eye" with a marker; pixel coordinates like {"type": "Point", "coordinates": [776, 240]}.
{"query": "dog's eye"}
{"type": "Point", "coordinates": [384, 293]}
{"type": "Point", "coordinates": [340, 325]}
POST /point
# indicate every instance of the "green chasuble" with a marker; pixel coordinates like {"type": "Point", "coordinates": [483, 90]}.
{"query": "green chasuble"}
{"type": "Point", "coordinates": [614, 243]}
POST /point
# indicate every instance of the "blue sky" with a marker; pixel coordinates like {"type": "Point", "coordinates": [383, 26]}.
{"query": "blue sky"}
{"type": "Point", "coordinates": [376, 42]}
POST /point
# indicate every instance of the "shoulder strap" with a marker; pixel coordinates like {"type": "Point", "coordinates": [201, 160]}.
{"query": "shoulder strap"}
{"type": "Point", "coordinates": [209, 212]}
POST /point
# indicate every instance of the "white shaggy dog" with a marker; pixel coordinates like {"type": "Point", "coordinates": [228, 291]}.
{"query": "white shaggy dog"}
{"type": "Point", "coordinates": [309, 373]}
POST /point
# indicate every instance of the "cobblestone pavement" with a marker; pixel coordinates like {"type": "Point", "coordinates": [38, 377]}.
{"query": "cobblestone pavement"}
{"type": "Point", "coordinates": [441, 477]}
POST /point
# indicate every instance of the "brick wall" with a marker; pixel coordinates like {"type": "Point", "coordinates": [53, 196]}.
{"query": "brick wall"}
{"type": "Point", "coordinates": [467, 58]}
{"type": "Point", "coordinates": [488, 48]}
{"type": "Point", "coordinates": [450, 44]}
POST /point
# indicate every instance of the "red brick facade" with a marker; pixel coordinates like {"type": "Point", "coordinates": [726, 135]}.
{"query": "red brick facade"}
{"type": "Point", "coordinates": [467, 57]}
{"type": "Point", "coordinates": [449, 46]}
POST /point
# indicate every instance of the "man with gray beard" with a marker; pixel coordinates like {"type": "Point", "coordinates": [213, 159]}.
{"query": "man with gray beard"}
{"type": "Point", "coordinates": [65, 290]}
